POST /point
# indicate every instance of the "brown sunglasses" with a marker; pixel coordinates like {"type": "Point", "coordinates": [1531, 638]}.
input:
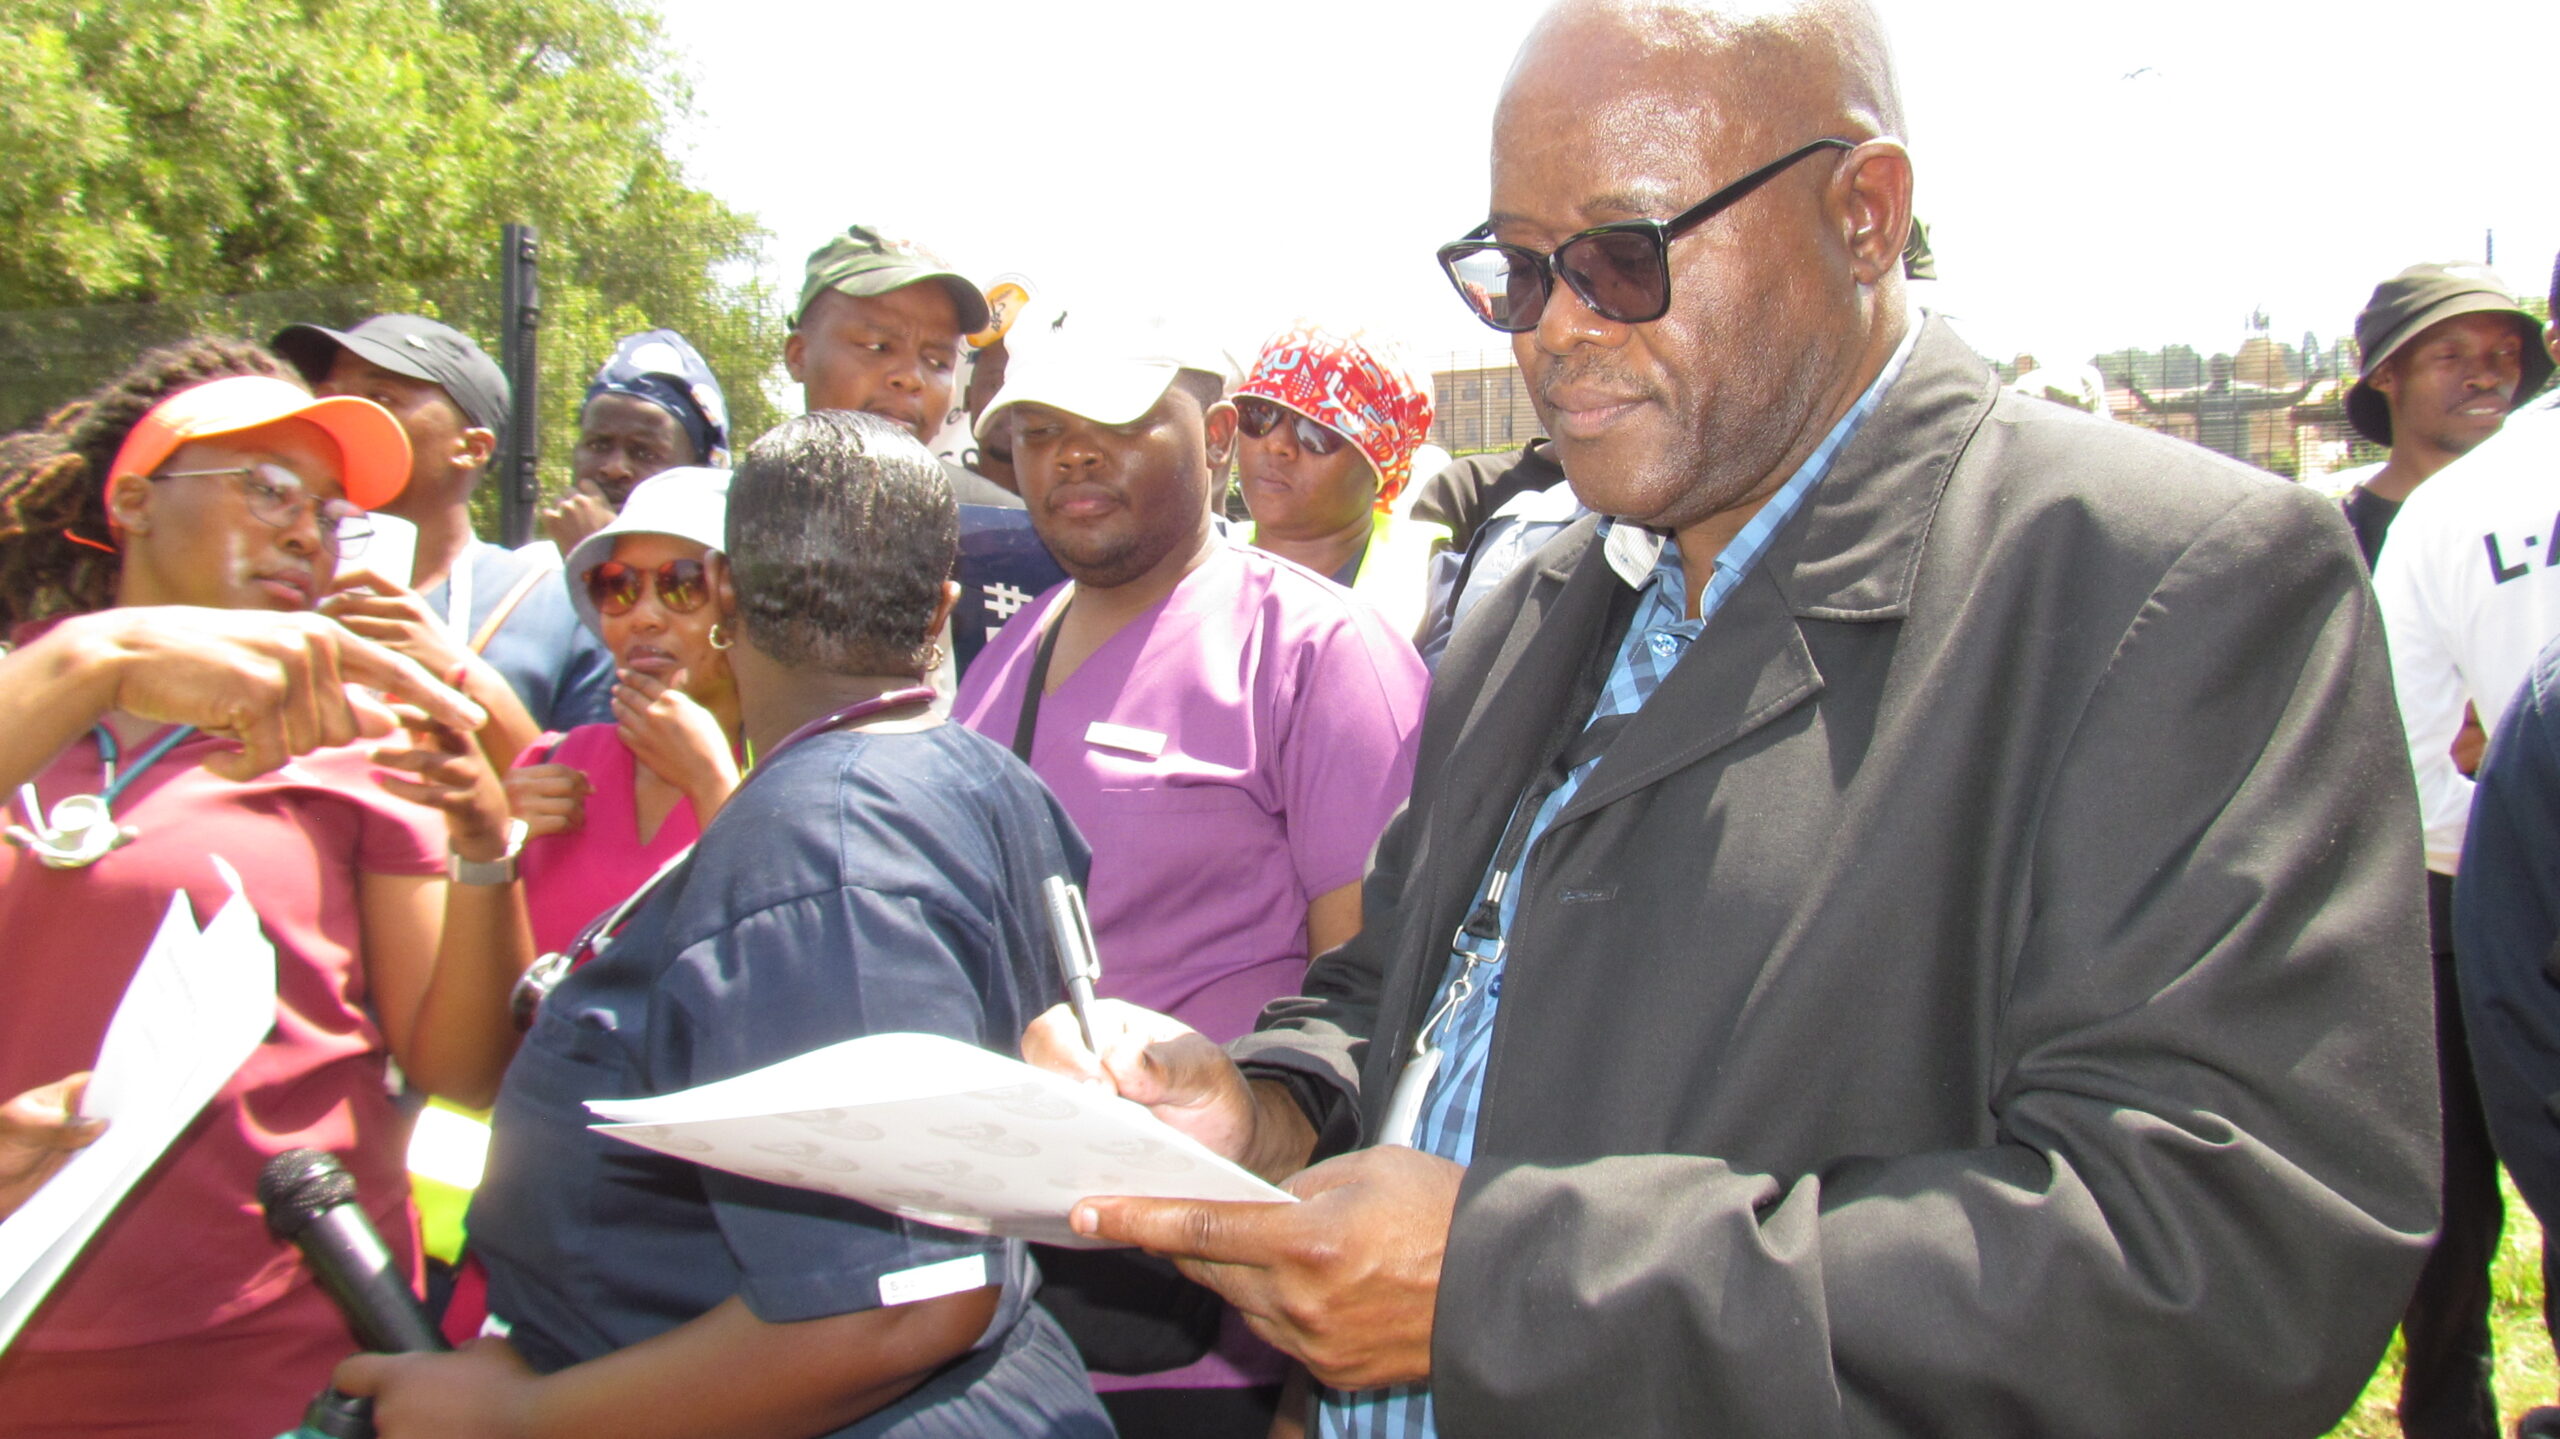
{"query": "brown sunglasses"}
{"type": "Point", "coordinates": [682, 586]}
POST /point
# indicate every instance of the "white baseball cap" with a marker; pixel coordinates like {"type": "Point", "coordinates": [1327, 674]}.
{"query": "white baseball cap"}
{"type": "Point", "coordinates": [1111, 374]}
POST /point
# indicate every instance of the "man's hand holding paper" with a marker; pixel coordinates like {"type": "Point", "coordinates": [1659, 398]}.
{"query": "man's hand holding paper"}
{"type": "Point", "coordinates": [1346, 1281]}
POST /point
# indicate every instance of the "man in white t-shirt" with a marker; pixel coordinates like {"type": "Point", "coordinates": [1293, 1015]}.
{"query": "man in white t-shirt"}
{"type": "Point", "coordinates": [2448, 351]}
{"type": "Point", "coordinates": [2468, 598]}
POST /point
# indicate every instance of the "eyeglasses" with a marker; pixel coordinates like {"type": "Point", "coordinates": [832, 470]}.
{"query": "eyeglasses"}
{"type": "Point", "coordinates": [1260, 417]}
{"type": "Point", "coordinates": [682, 586]}
{"type": "Point", "coordinates": [276, 497]}
{"type": "Point", "coordinates": [1622, 271]}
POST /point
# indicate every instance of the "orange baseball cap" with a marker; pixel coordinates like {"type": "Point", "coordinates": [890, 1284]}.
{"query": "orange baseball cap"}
{"type": "Point", "coordinates": [373, 452]}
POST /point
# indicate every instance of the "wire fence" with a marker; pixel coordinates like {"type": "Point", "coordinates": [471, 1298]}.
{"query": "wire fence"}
{"type": "Point", "coordinates": [2279, 405]}
{"type": "Point", "coordinates": [58, 355]}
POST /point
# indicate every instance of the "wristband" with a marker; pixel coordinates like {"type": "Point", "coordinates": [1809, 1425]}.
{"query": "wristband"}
{"type": "Point", "coordinates": [501, 870]}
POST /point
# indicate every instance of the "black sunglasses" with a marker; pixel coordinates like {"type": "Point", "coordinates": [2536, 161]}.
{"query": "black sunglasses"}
{"type": "Point", "coordinates": [1622, 271]}
{"type": "Point", "coordinates": [616, 587]}
{"type": "Point", "coordinates": [1259, 417]}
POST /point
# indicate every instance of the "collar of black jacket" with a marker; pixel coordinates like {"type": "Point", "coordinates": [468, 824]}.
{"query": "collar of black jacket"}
{"type": "Point", "coordinates": [1853, 551]}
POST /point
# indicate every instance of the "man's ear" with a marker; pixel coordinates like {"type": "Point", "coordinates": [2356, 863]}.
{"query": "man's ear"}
{"type": "Point", "coordinates": [475, 447]}
{"type": "Point", "coordinates": [1872, 196]}
{"type": "Point", "coordinates": [793, 348]}
{"type": "Point", "coordinates": [2551, 339]}
{"type": "Point", "coordinates": [1218, 428]}
{"type": "Point", "coordinates": [2385, 377]}
{"type": "Point", "coordinates": [129, 500]}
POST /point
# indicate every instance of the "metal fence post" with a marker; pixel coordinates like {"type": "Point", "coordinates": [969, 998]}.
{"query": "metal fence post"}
{"type": "Point", "coordinates": [520, 317]}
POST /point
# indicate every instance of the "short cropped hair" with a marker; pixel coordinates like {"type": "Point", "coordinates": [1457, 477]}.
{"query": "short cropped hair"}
{"type": "Point", "coordinates": [1201, 385]}
{"type": "Point", "coordinates": [841, 532]}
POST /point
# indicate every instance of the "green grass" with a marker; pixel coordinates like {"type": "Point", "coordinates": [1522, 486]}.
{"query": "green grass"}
{"type": "Point", "coordinates": [2526, 1374]}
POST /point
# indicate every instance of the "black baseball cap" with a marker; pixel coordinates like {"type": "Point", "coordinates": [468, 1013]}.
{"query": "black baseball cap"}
{"type": "Point", "coordinates": [2404, 306]}
{"type": "Point", "coordinates": [411, 345]}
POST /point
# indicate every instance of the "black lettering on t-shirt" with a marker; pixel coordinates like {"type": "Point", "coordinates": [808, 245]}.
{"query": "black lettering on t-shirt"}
{"type": "Point", "coordinates": [2499, 570]}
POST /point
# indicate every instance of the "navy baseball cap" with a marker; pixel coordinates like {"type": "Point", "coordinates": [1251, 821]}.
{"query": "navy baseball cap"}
{"type": "Point", "coordinates": [410, 345]}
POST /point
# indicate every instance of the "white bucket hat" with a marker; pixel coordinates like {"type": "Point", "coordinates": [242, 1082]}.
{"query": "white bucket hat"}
{"type": "Point", "coordinates": [689, 502]}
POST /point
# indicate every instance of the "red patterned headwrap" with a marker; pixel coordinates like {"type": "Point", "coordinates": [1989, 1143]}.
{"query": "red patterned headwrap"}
{"type": "Point", "coordinates": [1363, 388]}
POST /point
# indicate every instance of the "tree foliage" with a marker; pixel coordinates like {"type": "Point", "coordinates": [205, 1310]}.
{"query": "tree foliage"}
{"type": "Point", "coordinates": [238, 164]}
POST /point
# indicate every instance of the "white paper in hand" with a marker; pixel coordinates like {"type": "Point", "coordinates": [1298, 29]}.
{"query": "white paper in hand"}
{"type": "Point", "coordinates": [198, 1005]}
{"type": "Point", "coordinates": [935, 1130]}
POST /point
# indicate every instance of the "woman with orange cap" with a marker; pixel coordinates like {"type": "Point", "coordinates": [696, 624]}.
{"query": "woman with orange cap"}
{"type": "Point", "coordinates": [203, 477]}
{"type": "Point", "coordinates": [1327, 425]}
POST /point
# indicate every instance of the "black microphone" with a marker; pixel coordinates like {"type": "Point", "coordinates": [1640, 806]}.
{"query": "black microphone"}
{"type": "Point", "coordinates": [310, 1199]}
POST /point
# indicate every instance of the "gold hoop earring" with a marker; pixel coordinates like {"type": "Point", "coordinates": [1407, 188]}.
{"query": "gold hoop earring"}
{"type": "Point", "coordinates": [719, 638]}
{"type": "Point", "coordinates": [932, 656]}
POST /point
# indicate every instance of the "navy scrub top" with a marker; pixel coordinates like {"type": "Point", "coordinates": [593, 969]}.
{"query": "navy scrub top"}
{"type": "Point", "coordinates": [857, 883]}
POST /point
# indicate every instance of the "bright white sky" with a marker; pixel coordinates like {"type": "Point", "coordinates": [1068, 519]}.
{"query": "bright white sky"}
{"type": "Point", "coordinates": [2094, 176]}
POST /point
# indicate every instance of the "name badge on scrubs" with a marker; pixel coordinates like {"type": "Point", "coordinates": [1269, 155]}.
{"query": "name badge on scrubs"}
{"type": "Point", "coordinates": [1105, 735]}
{"type": "Point", "coordinates": [932, 1281]}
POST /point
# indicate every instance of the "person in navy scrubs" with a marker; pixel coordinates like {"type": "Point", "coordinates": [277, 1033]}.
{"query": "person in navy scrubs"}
{"type": "Point", "coordinates": [878, 870]}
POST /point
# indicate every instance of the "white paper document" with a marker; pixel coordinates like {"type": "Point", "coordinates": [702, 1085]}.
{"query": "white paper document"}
{"type": "Point", "coordinates": [199, 1004]}
{"type": "Point", "coordinates": [935, 1130]}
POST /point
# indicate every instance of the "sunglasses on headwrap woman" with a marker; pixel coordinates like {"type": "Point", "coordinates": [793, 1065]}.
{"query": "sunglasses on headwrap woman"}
{"type": "Point", "coordinates": [1621, 271]}
{"type": "Point", "coordinates": [682, 586]}
{"type": "Point", "coordinates": [1259, 417]}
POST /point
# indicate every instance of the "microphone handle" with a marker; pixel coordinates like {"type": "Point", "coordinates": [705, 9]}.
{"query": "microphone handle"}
{"type": "Point", "coordinates": [353, 1263]}
{"type": "Point", "coordinates": [355, 1267]}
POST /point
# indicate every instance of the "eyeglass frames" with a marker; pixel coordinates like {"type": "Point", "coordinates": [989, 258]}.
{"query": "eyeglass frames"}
{"type": "Point", "coordinates": [276, 497]}
{"type": "Point", "coordinates": [1259, 417]}
{"type": "Point", "coordinates": [1622, 271]}
{"type": "Point", "coordinates": [682, 586]}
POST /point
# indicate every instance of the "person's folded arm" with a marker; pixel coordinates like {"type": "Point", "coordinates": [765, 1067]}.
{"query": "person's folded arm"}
{"type": "Point", "coordinates": [279, 684]}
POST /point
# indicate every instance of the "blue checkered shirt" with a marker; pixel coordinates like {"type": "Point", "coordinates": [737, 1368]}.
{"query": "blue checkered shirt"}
{"type": "Point", "coordinates": [1656, 639]}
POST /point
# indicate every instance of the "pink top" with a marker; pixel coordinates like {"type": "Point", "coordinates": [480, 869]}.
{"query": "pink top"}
{"type": "Point", "coordinates": [1231, 754]}
{"type": "Point", "coordinates": [571, 878]}
{"type": "Point", "coordinates": [188, 1249]}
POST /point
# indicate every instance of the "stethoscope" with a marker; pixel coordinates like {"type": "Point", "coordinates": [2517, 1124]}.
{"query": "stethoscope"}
{"type": "Point", "coordinates": [82, 829]}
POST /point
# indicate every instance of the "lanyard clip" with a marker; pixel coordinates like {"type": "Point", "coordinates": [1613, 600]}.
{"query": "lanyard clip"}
{"type": "Point", "coordinates": [1475, 946]}
{"type": "Point", "coordinates": [1483, 923]}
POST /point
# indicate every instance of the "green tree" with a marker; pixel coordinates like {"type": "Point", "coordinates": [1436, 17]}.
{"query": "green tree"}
{"type": "Point", "coordinates": [235, 165]}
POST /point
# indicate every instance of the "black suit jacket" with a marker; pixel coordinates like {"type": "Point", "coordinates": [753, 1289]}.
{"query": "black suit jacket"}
{"type": "Point", "coordinates": [1984, 991]}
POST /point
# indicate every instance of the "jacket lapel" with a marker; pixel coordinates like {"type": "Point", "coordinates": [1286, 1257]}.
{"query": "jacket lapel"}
{"type": "Point", "coordinates": [1528, 685]}
{"type": "Point", "coordinates": [1747, 668]}
{"type": "Point", "coordinates": [1850, 555]}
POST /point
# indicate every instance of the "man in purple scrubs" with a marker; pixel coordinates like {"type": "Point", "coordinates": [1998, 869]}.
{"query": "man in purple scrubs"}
{"type": "Point", "coordinates": [1230, 731]}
